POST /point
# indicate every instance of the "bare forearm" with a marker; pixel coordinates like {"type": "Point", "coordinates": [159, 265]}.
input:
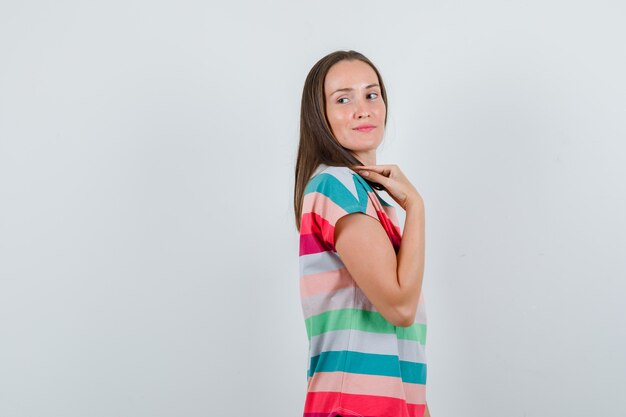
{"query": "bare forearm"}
{"type": "Point", "coordinates": [397, 294]}
{"type": "Point", "coordinates": [411, 256]}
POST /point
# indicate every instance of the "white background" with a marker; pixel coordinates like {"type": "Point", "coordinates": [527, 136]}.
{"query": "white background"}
{"type": "Point", "coordinates": [148, 251]}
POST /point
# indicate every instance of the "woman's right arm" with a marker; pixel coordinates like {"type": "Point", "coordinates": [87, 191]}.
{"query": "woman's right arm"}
{"type": "Point", "coordinates": [393, 283]}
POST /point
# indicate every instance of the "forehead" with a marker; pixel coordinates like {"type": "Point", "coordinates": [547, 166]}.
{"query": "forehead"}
{"type": "Point", "coordinates": [349, 74]}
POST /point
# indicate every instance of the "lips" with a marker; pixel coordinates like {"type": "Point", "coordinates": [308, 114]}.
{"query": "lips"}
{"type": "Point", "coordinates": [365, 128]}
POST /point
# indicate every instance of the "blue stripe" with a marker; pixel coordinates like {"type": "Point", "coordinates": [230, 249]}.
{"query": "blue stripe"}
{"type": "Point", "coordinates": [413, 372]}
{"type": "Point", "coordinates": [368, 364]}
{"type": "Point", "coordinates": [336, 191]}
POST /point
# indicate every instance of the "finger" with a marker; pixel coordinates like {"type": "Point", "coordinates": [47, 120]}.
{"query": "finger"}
{"type": "Point", "coordinates": [371, 166]}
{"type": "Point", "coordinates": [376, 177]}
{"type": "Point", "coordinates": [381, 170]}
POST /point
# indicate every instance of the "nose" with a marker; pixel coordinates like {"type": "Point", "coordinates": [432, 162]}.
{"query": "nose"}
{"type": "Point", "coordinates": [361, 110]}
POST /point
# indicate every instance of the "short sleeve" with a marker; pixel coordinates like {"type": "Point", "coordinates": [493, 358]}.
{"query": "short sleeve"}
{"type": "Point", "coordinates": [330, 195]}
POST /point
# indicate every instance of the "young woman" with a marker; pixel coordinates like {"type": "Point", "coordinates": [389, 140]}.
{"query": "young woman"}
{"type": "Point", "coordinates": [360, 276]}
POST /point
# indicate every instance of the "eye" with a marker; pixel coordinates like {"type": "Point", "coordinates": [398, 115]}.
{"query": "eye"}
{"type": "Point", "coordinates": [375, 95]}
{"type": "Point", "coordinates": [342, 98]}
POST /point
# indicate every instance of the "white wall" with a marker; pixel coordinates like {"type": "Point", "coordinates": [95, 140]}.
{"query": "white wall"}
{"type": "Point", "coordinates": [148, 253]}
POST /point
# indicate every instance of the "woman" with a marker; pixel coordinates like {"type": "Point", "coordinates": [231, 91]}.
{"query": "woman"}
{"type": "Point", "coordinates": [360, 277]}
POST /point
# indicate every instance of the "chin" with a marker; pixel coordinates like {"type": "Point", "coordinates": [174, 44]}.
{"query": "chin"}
{"type": "Point", "coordinates": [361, 145]}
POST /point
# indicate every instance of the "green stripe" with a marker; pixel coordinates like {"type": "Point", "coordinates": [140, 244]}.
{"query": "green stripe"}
{"type": "Point", "coordinates": [363, 320]}
{"type": "Point", "coordinates": [368, 364]}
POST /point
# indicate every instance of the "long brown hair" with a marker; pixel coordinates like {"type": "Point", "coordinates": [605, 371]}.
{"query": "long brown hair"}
{"type": "Point", "coordinates": [318, 145]}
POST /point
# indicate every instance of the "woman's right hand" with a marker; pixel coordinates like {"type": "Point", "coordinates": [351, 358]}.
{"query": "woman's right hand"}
{"type": "Point", "coordinates": [390, 279]}
{"type": "Point", "coordinates": [395, 182]}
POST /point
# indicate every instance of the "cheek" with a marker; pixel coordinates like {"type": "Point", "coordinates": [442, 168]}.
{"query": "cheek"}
{"type": "Point", "coordinates": [382, 110]}
{"type": "Point", "coordinates": [336, 118]}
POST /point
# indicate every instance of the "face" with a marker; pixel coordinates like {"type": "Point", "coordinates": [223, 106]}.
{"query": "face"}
{"type": "Point", "coordinates": [355, 108]}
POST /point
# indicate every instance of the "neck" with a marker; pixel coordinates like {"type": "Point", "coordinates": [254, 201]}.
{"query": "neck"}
{"type": "Point", "coordinates": [367, 157]}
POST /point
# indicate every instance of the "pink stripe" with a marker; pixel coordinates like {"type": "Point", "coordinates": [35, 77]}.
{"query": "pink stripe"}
{"type": "Point", "coordinates": [314, 232]}
{"type": "Point", "coordinates": [361, 384]}
{"type": "Point", "coordinates": [370, 209]}
{"type": "Point", "coordinates": [324, 282]}
{"type": "Point", "coordinates": [324, 402]}
{"type": "Point", "coordinates": [390, 211]}
{"type": "Point", "coordinates": [415, 393]}
{"type": "Point", "coordinates": [417, 410]}
{"type": "Point", "coordinates": [377, 204]}
{"type": "Point", "coordinates": [323, 206]}
{"type": "Point", "coordinates": [309, 244]}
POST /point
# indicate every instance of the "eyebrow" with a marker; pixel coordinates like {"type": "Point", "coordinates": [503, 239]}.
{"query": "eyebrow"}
{"type": "Point", "coordinates": [350, 89]}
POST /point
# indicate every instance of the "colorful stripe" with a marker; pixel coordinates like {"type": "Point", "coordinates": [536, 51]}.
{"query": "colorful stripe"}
{"type": "Point", "coordinates": [319, 262]}
{"type": "Point", "coordinates": [366, 342]}
{"type": "Point", "coordinates": [366, 363]}
{"type": "Point", "coordinates": [362, 384]}
{"type": "Point", "coordinates": [325, 282]}
{"type": "Point", "coordinates": [367, 321]}
{"type": "Point", "coordinates": [360, 365]}
{"type": "Point", "coordinates": [368, 405]}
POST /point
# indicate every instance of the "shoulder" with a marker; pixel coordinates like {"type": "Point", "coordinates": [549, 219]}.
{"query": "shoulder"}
{"type": "Point", "coordinates": [339, 185]}
{"type": "Point", "coordinates": [336, 181]}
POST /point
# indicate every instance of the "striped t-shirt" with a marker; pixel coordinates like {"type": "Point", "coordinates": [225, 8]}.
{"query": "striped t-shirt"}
{"type": "Point", "coordinates": [359, 363]}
